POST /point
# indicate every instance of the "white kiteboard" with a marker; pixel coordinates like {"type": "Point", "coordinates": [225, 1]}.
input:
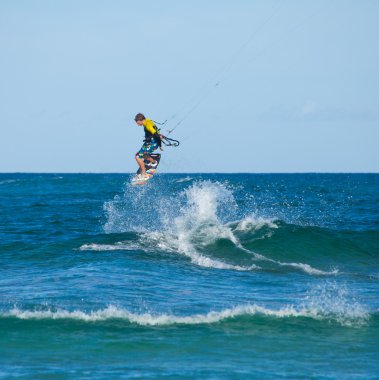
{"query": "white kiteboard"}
{"type": "Point", "coordinates": [150, 171]}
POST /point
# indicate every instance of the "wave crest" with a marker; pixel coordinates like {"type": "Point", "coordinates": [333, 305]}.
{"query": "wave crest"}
{"type": "Point", "coordinates": [355, 317]}
{"type": "Point", "coordinates": [327, 301]}
{"type": "Point", "coordinates": [199, 223]}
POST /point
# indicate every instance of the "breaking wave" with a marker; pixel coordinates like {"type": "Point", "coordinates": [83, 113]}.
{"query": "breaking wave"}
{"type": "Point", "coordinates": [326, 302]}
{"type": "Point", "coordinates": [203, 222]}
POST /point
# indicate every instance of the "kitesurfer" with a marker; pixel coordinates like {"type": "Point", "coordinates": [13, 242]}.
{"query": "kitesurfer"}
{"type": "Point", "coordinates": [153, 140]}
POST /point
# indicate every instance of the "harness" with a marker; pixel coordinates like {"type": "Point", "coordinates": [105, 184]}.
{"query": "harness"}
{"type": "Point", "coordinates": [148, 135]}
{"type": "Point", "coordinates": [165, 140]}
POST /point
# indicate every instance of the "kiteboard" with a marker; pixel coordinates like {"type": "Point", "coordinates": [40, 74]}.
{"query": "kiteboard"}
{"type": "Point", "coordinates": [150, 170]}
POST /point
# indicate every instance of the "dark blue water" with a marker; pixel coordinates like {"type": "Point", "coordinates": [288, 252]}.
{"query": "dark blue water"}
{"type": "Point", "coordinates": [191, 276]}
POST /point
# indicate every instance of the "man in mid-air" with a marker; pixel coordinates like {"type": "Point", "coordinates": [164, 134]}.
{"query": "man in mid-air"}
{"type": "Point", "coordinates": [153, 140]}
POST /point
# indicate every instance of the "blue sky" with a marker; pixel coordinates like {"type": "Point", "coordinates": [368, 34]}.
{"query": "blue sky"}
{"type": "Point", "coordinates": [301, 96]}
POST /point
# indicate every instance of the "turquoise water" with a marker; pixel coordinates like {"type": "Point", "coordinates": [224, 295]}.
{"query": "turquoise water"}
{"type": "Point", "coordinates": [191, 276]}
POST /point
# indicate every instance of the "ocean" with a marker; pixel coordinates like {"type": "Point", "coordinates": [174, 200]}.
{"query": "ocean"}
{"type": "Point", "coordinates": [206, 276]}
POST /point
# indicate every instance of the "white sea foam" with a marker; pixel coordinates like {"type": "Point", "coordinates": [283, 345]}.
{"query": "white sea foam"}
{"type": "Point", "coordinates": [328, 300]}
{"type": "Point", "coordinates": [119, 246]}
{"type": "Point", "coordinates": [254, 223]}
{"type": "Point", "coordinates": [309, 269]}
{"type": "Point", "coordinates": [171, 243]}
{"type": "Point", "coordinates": [112, 312]}
{"type": "Point", "coordinates": [306, 268]}
{"type": "Point", "coordinates": [198, 226]}
{"type": "Point", "coordinates": [335, 301]}
{"type": "Point", "coordinates": [189, 224]}
{"type": "Point", "coordinates": [349, 317]}
{"type": "Point", "coordinates": [185, 179]}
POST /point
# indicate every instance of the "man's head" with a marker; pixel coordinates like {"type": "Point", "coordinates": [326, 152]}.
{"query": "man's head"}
{"type": "Point", "coordinates": [139, 118]}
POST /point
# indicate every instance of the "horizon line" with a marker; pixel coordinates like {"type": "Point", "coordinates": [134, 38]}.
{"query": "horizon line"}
{"type": "Point", "coordinates": [178, 173]}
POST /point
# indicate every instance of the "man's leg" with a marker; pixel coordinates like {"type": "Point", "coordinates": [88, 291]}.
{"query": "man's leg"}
{"type": "Point", "coordinates": [144, 154]}
{"type": "Point", "coordinates": [141, 164]}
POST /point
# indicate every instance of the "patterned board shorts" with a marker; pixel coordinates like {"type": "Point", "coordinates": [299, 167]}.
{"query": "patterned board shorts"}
{"type": "Point", "coordinates": [147, 148]}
